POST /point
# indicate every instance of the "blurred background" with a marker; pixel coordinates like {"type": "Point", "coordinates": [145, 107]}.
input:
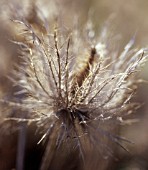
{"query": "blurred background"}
{"type": "Point", "coordinates": [129, 18]}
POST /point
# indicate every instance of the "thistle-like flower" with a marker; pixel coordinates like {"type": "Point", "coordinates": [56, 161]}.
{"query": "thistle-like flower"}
{"type": "Point", "coordinates": [76, 87]}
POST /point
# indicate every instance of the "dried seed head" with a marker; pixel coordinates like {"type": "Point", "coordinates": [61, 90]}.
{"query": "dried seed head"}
{"type": "Point", "coordinates": [76, 94]}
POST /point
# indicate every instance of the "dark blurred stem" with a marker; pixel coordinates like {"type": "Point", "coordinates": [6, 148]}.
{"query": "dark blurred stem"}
{"type": "Point", "coordinates": [49, 150]}
{"type": "Point", "coordinates": [21, 146]}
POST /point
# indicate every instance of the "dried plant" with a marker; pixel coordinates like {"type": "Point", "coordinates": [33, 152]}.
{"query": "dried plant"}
{"type": "Point", "coordinates": [75, 87]}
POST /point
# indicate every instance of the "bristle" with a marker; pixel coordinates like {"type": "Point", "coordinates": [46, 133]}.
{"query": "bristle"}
{"type": "Point", "coordinates": [82, 68]}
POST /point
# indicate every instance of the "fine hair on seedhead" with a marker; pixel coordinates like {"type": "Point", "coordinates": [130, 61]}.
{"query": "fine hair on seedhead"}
{"type": "Point", "coordinates": [75, 87]}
